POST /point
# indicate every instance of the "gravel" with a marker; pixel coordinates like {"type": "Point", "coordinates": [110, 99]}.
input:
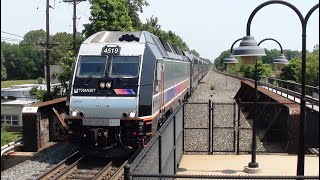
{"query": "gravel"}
{"type": "Point", "coordinates": [214, 86]}
{"type": "Point", "coordinates": [221, 90]}
{"type": "Point", "coordinates": [29, 169]}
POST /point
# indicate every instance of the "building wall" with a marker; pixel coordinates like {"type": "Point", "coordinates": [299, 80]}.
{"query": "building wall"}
{"type": "Point", "coordinates": [12, 113]}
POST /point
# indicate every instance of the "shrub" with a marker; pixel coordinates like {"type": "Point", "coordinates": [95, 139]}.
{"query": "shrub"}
{"type": "Point", "coordinates": [40, 80]}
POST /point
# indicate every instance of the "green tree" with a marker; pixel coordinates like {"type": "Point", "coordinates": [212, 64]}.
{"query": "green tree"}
{"type": "Point", "coordinates": [42, 95]}
{"type": "Point", "coordinates": [312, 68]}
{"type": "Point", "coordinates": [316, 49]}
{"type": "Point", "coordinates": [291, 71]}
{"type": "Point", "coordinates": [34, 37]}
{"type": "Point", "coordinates": [194, 52]}
{"type": "Point", "coordinates": [65, 44]}
{"type": "Point", "coordinates": [33, 54]}
{"type": "Point", "coordinates": [135, 7]}
{"type": "Point", "coordinates": [65, 72]}
{"type": "Point", "coordinates": [3, 67]}
{"type": "Point", "coordinates": [111, 15]}
{"type": "Point", "coordinates": [153, 27]}
{"type": "Point", "coordinates": [263, 70]}
{"type": "Point", "coordinates": [218, 62]}
{"type": "Point", "coordinates": [270, 56]}
{"type": "Point", "coordinates": [289, 54]}
{"type": "Point", "coordinates": [30, 60]}
{"type": "Point", "coordinates": [12, 56]}
{"type": "Point", "coordinates": [64, 56]}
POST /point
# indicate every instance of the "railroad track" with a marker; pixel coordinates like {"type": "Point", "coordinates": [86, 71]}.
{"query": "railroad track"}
{"type": "Point", "coordinates": [82, 167]}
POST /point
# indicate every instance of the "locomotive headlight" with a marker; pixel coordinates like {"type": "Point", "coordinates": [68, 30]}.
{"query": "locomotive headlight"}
{"type": "Point", "coordinates": [102, 85]}
{"type": "Point", "coordinates": [74, 113]}
{"type": "Point", "coordinates": [132, 114]}
{"type": "Point", "coordinates": [108, 85]}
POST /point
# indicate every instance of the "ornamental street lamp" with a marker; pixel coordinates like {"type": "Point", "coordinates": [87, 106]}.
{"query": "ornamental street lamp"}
{"type": "Point", "coordinates": [231, 60]}
{"type": "Point", "coordinates": [249, 51]}
{"type": "Point", "coordinates": [253, 49]}
{"type": "Point", "coordinates": [281, 60]}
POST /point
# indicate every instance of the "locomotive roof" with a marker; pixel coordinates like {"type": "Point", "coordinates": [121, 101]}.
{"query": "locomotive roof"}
{"type": "Point", "coordinates": [166, 49]}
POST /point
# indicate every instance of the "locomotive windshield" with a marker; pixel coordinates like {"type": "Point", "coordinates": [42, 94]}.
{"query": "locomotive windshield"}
{"type": "Point", "coordinates": [92, 66]}
{"type": "Point", "coordinates": [125, 66]}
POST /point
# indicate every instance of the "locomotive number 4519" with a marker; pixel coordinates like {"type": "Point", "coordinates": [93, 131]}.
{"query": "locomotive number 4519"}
{"type": "Point", "coordinates": [108, 50]}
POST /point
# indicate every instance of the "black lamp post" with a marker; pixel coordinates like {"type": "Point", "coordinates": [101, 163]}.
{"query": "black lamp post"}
{"type": "Point", "coordinates": [249, 48]}
{"type": "Point", "coordinates": [244, 47]}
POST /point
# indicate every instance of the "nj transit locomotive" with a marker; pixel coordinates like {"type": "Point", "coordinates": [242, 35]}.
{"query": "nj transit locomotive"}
{"type": "Point", "coordinates": [125, 84]}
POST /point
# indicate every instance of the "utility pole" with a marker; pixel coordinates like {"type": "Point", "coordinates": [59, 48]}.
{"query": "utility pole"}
{"type": "Point", "coordinates": [74, 22]}
{"type": "Point", "coordinates": [74, 26]}
{"type": "Point", "coordinates": [48, 53]}
{"type": "Point", "coordinates": [47, 45]}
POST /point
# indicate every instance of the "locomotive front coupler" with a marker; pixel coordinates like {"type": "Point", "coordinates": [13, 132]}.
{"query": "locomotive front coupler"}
{"type": "Point", "coordinates": [97, 133]}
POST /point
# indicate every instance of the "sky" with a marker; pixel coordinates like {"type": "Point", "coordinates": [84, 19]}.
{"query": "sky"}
{"type": "Point", "coordinates": [208, 26]}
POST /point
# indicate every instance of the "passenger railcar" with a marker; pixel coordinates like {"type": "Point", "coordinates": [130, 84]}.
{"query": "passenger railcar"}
{"type": "Point", "coordinates": [124, 86]}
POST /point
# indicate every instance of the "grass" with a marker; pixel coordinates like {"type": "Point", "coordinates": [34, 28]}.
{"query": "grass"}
{"type": "Point", "coordinates": [6, 84]}
{"type": "Point", "coordinates": [7, 137]}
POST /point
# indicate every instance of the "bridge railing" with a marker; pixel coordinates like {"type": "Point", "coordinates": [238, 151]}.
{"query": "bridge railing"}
{"type": "Point", "coordinates": [284, 87]}
{"type": "Point", "coordinates": [290, 87]}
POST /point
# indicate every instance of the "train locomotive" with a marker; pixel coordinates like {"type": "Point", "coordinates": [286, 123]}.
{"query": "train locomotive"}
{"type": "Point", "coordinates": [124, 86]}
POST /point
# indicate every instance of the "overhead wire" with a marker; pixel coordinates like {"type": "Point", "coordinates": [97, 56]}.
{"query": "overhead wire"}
{"type": "Point", "coordinates": [10, 39]}
{"type": "Point", "coordinates": [11, 34]}
{"type": "Point", "coordinates": [83, 14]}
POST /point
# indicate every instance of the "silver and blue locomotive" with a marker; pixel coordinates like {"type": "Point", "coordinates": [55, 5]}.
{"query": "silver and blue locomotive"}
{"type": "Point", "coordinates": [124, 86]}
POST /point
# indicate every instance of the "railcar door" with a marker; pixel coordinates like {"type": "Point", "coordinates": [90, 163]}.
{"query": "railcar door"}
{"type": "Point", "coordinates": [159, 100]}
{"type": "Point", "coordinates": [160, 78]}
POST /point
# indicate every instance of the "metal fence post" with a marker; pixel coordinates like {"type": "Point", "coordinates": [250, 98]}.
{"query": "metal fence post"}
{"type": "Point", "coordinates": [234, 126]}
{"type": "Point", "coordinates": [174, 145]}
{"type": "Point", "coordinates": [209, 135]}
{"type": "Point", "coordinates": [126, 173]}
{"type": "Point", "coordinates": [238, 136]}
{"type": "Point", "coordinates": [183, 131]}
{"type": "Point", "coordinates": [160, 163]}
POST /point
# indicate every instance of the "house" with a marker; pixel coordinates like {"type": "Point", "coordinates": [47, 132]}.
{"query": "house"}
{"type": "Point", "coordinates": [11, 112]}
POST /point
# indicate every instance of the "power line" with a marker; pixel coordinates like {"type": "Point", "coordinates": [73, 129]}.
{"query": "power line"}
{"type": "Point", "coordinates": [11, 34]}
{"type": "Point", "coordinates": [10, 39]}
{"type": "Point", "coordinates": [83, 14]}
{"type": "Point", "coordinates": [75, 2]}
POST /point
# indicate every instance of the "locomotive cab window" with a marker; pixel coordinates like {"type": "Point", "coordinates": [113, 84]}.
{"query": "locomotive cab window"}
{"type": "Point", "coordinates": [91, 66]}
{"type": "Point", "coordinates": [125, 66]}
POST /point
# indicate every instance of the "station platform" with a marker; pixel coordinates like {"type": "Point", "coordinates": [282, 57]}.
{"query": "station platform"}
{"type": "Point", "coordinates": [269, 165]}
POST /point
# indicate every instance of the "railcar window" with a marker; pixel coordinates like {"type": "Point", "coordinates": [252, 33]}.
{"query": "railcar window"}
{"type": "Point", "coordinates": [92, 66]}
{"type": "Point", "coordinates": [127, 66]}
{"type": "Point", "coordinates": [166, 45]}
